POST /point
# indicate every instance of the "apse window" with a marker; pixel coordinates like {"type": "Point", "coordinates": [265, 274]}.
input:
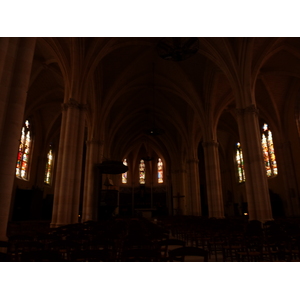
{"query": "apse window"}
{"type": "Point", "coordinates": [160, 177]}
{"type": "Point", "coordinates": [22, 166]}
{"type": "Point", "coordinates": [268, 151]}
{"type": "Point", "coordinates": [240, 163]}
{"type": "Point", "coordinates": [124, 175]}
{"type": "Point", "coordinates": [49, 165]}
{"type": "Point", "coordinates": [142, 169]}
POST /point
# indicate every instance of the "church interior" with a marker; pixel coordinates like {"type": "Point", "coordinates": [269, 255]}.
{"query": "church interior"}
{"type": "Point", "coordinates": [107, 142]}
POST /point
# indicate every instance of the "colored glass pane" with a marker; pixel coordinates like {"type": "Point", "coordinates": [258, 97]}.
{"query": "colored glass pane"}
{"type": "Point", "coordinates": [142, 172]}
{"type": "Point", "coordinates": [49, 164]}
{"type": "Point", "coordinates": [24, 151]}
{"type": "Point", "coordinates": [268, 151]}
{"type": "Point", "coordinates": [160, 171]}
{"type": "Point", "coordinates": [124, 175]}
{"type": "Point", "coordinates": [240, 163]}
{"type": "Point", "coordinates": [272, 153]}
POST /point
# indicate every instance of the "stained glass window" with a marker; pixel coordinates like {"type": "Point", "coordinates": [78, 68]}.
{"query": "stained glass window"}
{"type": "Point", "coordinates": [160, 171]}
{"type": "Point", "coordinates": [240, 163]}
{"type": "Point", "coordinates": [142, 172]}
{"type": "Point", "coordinates": [268, 151]}
{"type": "Point", "coordinates": [49, 164]}
{"type": "Point", "coordinates": [124, 175]}
{"type": "Point", "coordinates": [24, 151]}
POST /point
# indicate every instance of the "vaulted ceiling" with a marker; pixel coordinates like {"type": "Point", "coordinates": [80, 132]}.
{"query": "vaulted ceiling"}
{"type": "Point", "coordinates": [130, 89]}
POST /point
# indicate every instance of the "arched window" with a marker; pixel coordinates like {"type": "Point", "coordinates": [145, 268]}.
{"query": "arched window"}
{"type": "Point", "coordinates": [49, 164]}
{"type": "Point", "coordinates": [22, 166]}
{"type": "Point", "coordinates": [160, 171]}
{"type": "Point", "coordinates": [268, 151]}
{"type": "Point", "coordinates": [124, 175]}
{"type": "Point", "coordinates": [240, 163]}
{"type": "Point", "coordinates": [142, 172]}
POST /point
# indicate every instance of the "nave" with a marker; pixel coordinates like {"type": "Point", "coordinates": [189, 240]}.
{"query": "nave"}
{"type": "Point", "coordinates": [211, 135]}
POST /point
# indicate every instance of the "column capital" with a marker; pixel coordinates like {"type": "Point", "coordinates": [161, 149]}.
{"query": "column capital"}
{"type": "Point", "coordinates": [72, 103]}
{"type": "Point", "coordinates": [251, 109]}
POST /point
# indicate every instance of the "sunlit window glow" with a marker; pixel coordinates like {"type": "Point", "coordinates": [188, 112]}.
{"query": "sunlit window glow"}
{"type": "Point", "coordinates": [124, 175]}
{"type": "Point", "coordinates": [48, 171]}
{"type": "Point", "coordinates": [142, 172]}
{"type": "Point", "coordinates": [240, 163]}
{"type": "Point", "coordinates": [160, 171]}
{"type": "Point", "coordinates": [24, 152]}
{"type": "Point", "coordinates": [268, 151]}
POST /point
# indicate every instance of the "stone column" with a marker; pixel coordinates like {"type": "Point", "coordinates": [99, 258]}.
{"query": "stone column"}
{"type": "Point", "coordinates": [94, 154]}
{"type": "Point", "coordinates": [16, 69]}
{"type": "Point", "coordinates": [287, 168]}
{"type": "Point", "coordinates": [257, 192]}
{"type": "Point", "coordinates": [68, 179]}
{"type": "Point", "coordinates": [4, 44]}
{"type": "Point", "coordinates": [213, 179]}
{"type": "Point", "coordinates": [6, 68]}
{"type": "Point", "coordinates": [194, 200]}
{"type": "Point", "coordinates": [59, 166]}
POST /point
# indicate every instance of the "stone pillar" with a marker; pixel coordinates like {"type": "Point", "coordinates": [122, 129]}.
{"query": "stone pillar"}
{"type": "Point", "coordinates": [69, 168]}
{"type": "Point", "coordinates": [257, 192]}
{"type": "Point", "coordinates": [4, 45]}
{"type": "Point", "coordinates": [6, 70]}
{"type": "Point", "coordinates": [91, 189]}
{"type": "Point", "coordinates": [287, 168]}
{"type": "Point", "coordinates": [59, 166]}
{"type": "Point", "coordinates": [213, 180]}
{"type": "Point", "coordinates": [16, 69]}
{"type": "Point", "coordinates": [193, 200]}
